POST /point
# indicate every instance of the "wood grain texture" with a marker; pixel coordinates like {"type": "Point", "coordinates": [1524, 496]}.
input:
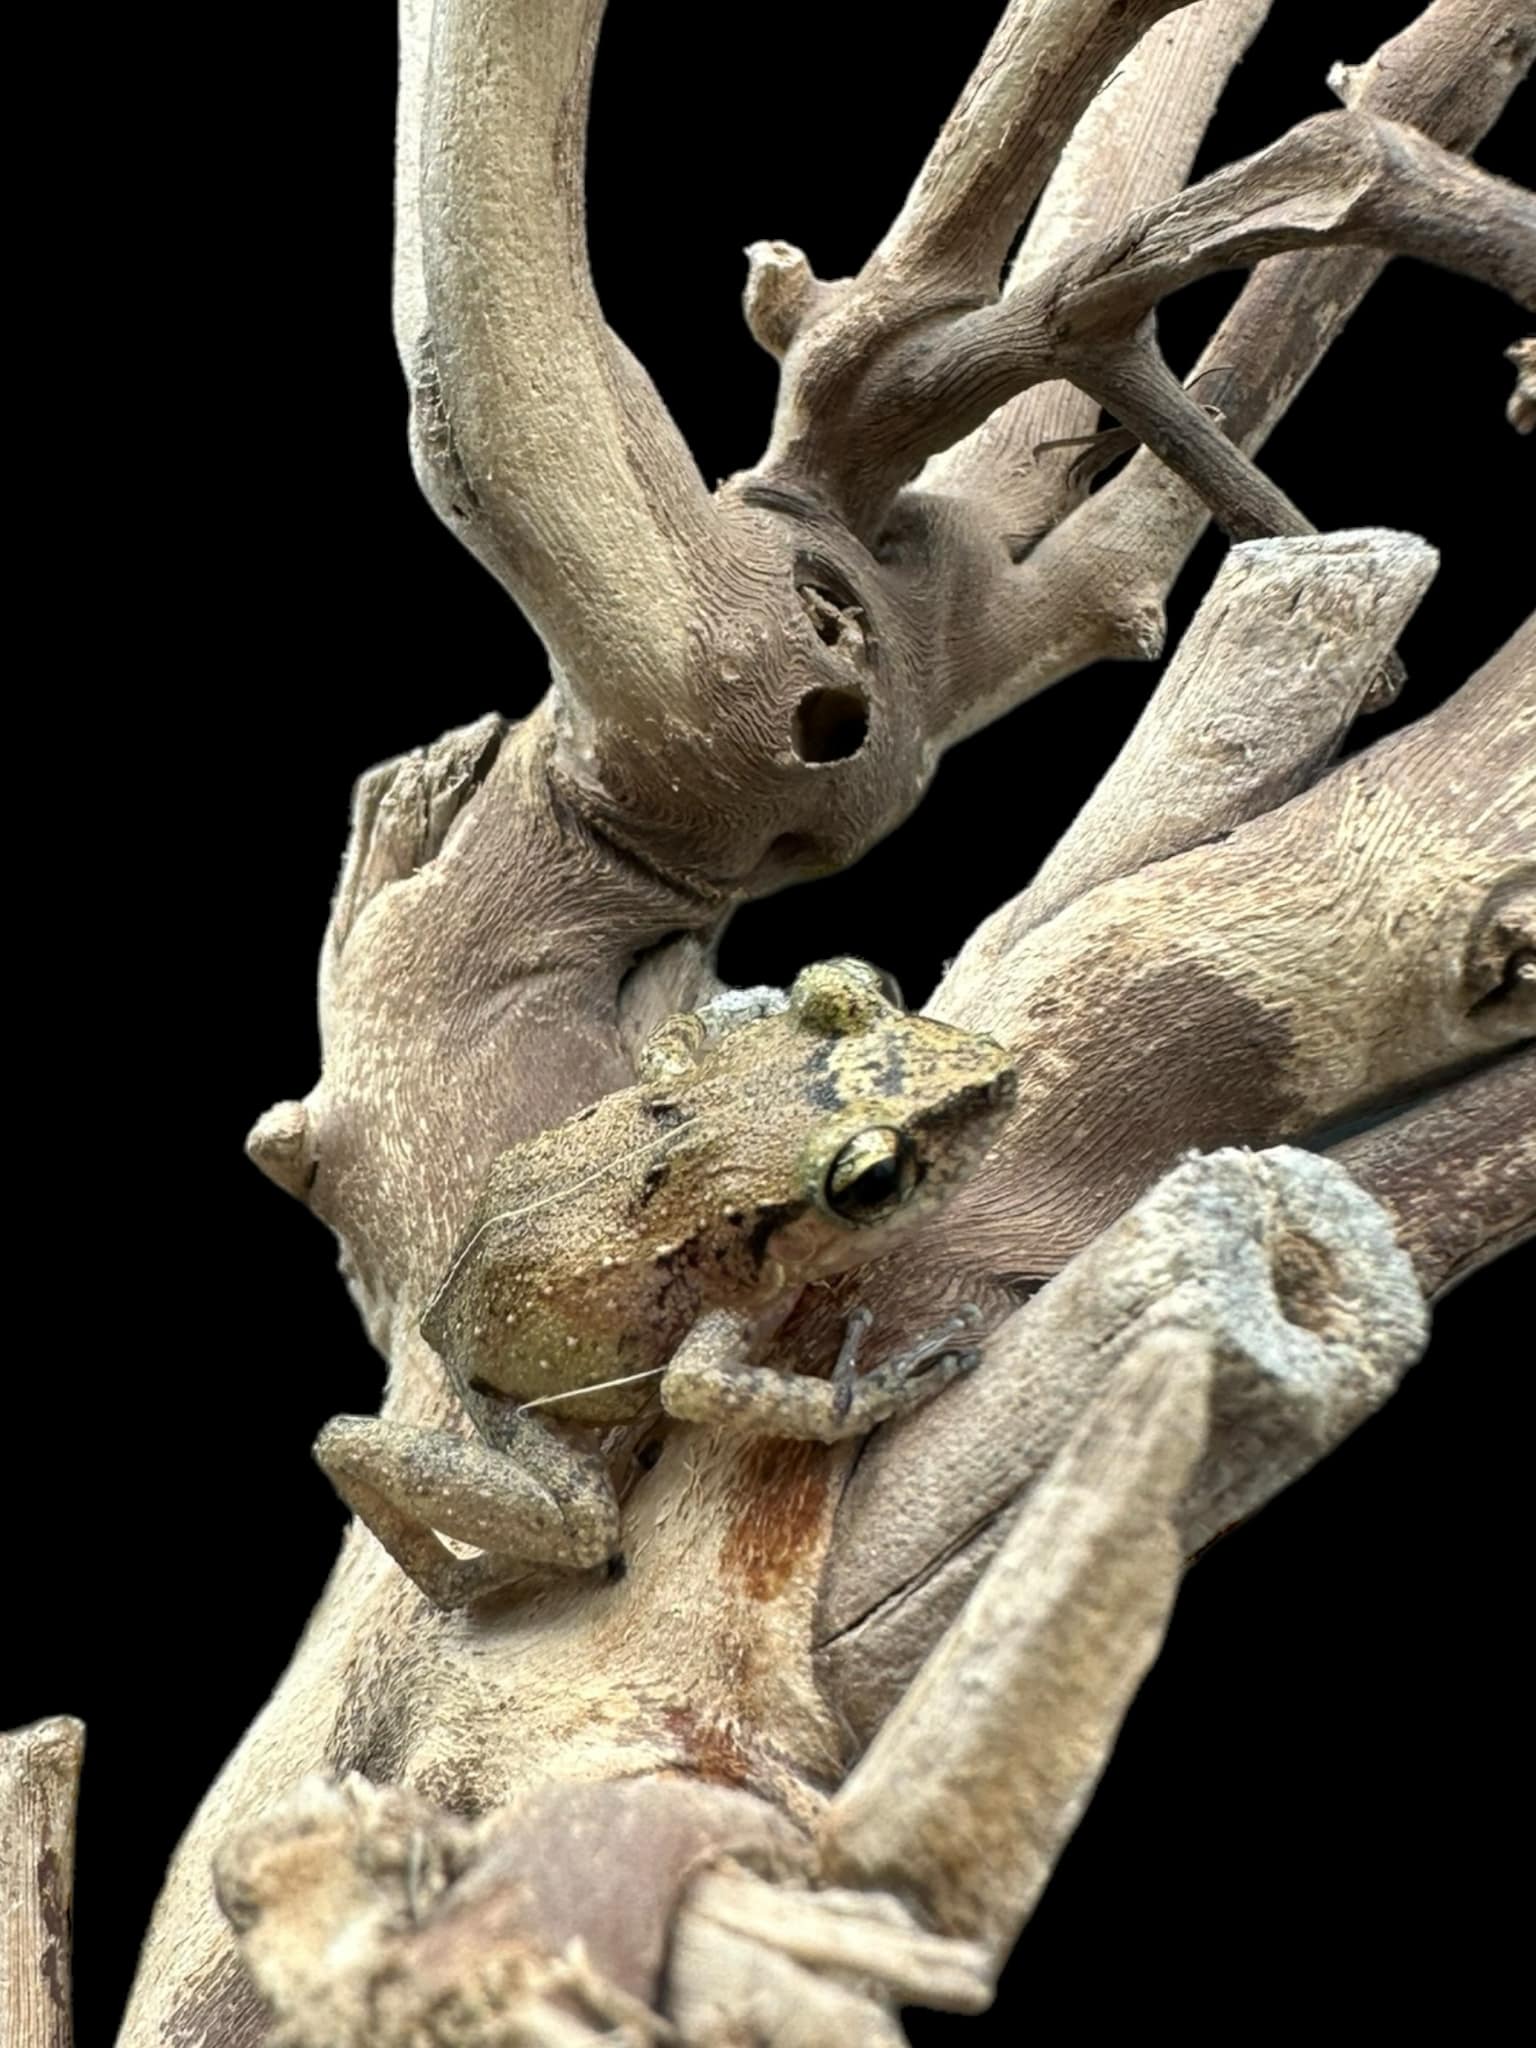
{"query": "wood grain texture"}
{"type": "Point", "coordinates": [1133, 145]}
{"type": "Point", "coordinates": [1306, 622]}
{"type": "Point", "coordinates": [1457, 1173]}
{"type": "Point", "coordinates": [1273, 1259]}
{"type": "Point", "coordinates": [39, 1781]}
{"type": "Point", "coordinates": [1242, 949]}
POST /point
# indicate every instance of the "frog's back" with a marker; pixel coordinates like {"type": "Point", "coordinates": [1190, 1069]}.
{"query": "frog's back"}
{"type": "Point", "coordinates": [556, 1285]}
{"type": "Point", "coordinates": [773, 1153]}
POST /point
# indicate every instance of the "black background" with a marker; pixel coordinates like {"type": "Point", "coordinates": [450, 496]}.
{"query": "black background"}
{"type": "Point", "coordinates": [1306, 1814]}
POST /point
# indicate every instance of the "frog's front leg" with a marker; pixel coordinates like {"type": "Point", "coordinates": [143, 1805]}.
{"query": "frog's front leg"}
{"type": "Point", "coordinates": [710, 1380]}
{"type": "Point", "coordinates": [529, 1499]}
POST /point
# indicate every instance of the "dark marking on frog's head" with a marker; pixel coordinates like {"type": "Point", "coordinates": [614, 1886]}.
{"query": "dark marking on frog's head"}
{"type": "Point", "coordinates": [823, 1090]}
{"type": "Point", "coordinates": [906, 1106]}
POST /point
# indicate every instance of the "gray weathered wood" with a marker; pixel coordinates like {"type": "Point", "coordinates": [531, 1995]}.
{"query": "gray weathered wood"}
{"type": "Point", "coordinates": [39, 1779]}
{"type": "Point", "coordinates": [749, 687]}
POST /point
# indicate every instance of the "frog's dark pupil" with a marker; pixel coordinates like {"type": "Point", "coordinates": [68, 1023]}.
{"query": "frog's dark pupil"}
{"type": "Point", "coordinates": [869, 1176]}
{"type": "Point", "coordinates": [875, 1184]}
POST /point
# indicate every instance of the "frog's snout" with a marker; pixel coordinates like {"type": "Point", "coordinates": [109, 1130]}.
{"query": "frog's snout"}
{"type": "Point", "coordinates": [978, 1106]}
{"type": "Point", "coordinates": [991, 1094]}
{"type": "Point", "coordinates": [1002, 1090]}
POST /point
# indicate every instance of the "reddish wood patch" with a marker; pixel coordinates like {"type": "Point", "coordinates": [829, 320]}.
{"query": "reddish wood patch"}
{"type": "Point", "coordinates": [707, 1748]}
{"type": "Point", "coordinates": [781, 1489]}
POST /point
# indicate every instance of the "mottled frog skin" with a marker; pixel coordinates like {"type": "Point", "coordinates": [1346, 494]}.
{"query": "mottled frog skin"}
{"type": "Point", "coordinates": [641, 1252]}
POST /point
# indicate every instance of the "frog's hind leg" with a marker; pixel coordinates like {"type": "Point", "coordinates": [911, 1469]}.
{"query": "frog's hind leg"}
{"type": "Point", "coordinates": [538, 1501]}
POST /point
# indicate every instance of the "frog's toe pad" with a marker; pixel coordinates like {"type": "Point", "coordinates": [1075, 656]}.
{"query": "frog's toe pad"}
{"type": "Point", "coordinates": [935, 1355]}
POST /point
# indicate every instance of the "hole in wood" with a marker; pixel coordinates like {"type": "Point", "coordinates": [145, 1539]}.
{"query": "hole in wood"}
{"type": "Point", "coordinates": [791, 849]}
{"type": "Point", "coordinates": [1307, 1286]}
{"type": "Point", "coordinates": [829, 725]}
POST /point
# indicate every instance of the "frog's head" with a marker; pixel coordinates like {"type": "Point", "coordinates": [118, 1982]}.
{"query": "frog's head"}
{"type": "Point", "coordinates": [900, 1107]}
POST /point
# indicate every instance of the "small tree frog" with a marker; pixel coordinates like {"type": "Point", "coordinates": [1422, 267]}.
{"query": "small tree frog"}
{"type": "Point", "coordinates": [643, 1254]}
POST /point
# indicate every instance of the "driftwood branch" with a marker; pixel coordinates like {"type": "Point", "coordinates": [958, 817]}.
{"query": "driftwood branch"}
{"type": "Point", "coordinates": [1190, 1395]}
{"type": "Point", "coordinates": [39, 1779]}
{"type": "Point", "coordinates": [1307, 620]}
{"type": "Point", "coordinates": [1340, 179]}
{"type": "Point", "coordinates": [970, 1790]}
{"type": "Point", "coordinates": [1343, 178]}
{"type": "Point", "coordinates": [1279, 1267]}
{"type": "Point", "coordinates": [802, 1590]}
{"type": "Point", "coordinates": [1132, 147]}
{"type": "Point", "coordinates": [1094, 585]}
{"type": "Point", "coordinates": [948, 245]}
{"type": "Point", "coordinates": [681, 1781]}
{"type": "Point", "coordinates": [1457, 1173]}
{"type": "Point", "coordinates": [537, 436]}
{"type": "Point", "coordinates": [993, 156]}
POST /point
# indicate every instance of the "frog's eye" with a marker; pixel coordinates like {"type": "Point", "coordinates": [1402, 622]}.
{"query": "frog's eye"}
{"type": "Point", "coordinates": [873, 1174]}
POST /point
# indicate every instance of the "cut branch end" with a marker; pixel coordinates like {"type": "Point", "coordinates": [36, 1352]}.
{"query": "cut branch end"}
{"type": "Point", "coordinates": [781, 293]}
{"type": "Point", "coordinates": [280, 1144]}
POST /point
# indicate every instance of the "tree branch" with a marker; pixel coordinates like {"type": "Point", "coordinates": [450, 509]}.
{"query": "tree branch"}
{"type": "Point", "coordinates": [1340, 178]}
{"type": "Point", "coordinates": [1192, 1002]}
{"type": "Point", "coordinates": [538, 438]}
{"type": "Point", "coordinates": [813, 1965]}
{"type": "Point", "coordinates": [1457, 1173]}
{"type": "Point", "coordinates": [969, 1792]}
{"type": "Point", "coordinates": [1101, 576]}
{"type": "Point", "coordinates": [946, 249]}
{"type": "Point", "coordinates": [745, 692]}
{"type": "Point", "coordinates": [1201, 977]}
{"type": "Point", "coordinates": [1038, 74]}
{"type": "Point", "coordinates": [1275, 1259]}
{"type": "Point", "coordinates": [39, 1781]}
{"type": "Point", "coordinates": [1228, 1331]}
{"type": "Point", "coordinates": [1263, 688]}
{"type": "Point", "coordinates": [1133, 145]}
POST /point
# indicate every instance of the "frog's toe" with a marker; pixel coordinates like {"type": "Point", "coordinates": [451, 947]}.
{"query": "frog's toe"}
{"type": "Point", "coordinates": [936, 1350]}
{"type": "Point", "coordinates": [938, 1368]}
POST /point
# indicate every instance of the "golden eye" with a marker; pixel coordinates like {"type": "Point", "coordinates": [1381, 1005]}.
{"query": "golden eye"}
{"type": "Point", "coordinates": [873, 1174]}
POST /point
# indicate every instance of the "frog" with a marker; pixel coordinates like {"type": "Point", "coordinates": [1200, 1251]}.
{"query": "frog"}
{"type": "Point", "coordinates": [635, 1263]}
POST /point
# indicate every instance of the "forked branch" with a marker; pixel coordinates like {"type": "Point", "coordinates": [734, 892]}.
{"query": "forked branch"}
{"type": "Point", "coordinates": [1038, 74]}
{"type": "Point", "coordinates": [1107, 567]}
{"type": "Point", "coordinates": [1133, 146]}
{"type": "Point", "coordinates": [1339, 179]}
{"type": "Point", "coordinates": [755, 687]}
